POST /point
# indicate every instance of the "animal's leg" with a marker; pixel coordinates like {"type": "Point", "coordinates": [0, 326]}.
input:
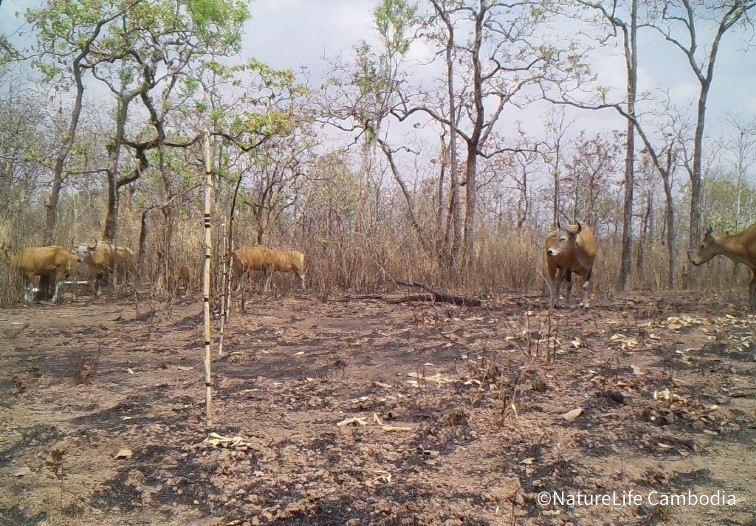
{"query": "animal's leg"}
{"type": "Point", "coordinates": [752, 292]}
{"type": "Point", "coordinates": [552, 283]}
{"type": "Point", "coordinates": [60, 278]}
{"type": "Point", "coordinates": [268, 278]}
{"type": "Point", "coordinates": [43, 288]}
{"type": "Point", "coordinates": [239, 280]}
{"type": "Point", "coordinates": [301, 278]}
{"type": "Point", "coordinates": [586, 290]}
{"type": "Point", "coordinates": [28, 290]}
{"type": "Point", "coordinates": [115, 279]}
{"type": "Point", "coordinates": [99, 284]}
{"type": "Point", "coordinates": [556, 284]}
{"type": "Point", "coordinates": [552, 290]}
{"type": "Point", "coordinates": [568, 279]}
{"type": "Point", "coordinates": [57, 289]}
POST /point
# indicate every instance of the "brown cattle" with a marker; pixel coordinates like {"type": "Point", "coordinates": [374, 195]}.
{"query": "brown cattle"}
{"type": "Point", "coordinates": [570, 250]}
{"type": "Point", "coordinates": [44, 262]}
{"type": "Point", "coordinates": [253, 258]}
{"type": "Point", "coordinates": [740, 247]}
{"type": "Point", "coordinates": [103, 259]}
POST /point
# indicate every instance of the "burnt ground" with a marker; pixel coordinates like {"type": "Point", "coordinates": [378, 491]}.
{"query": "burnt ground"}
{"type": "Point", "coordinates": [357, 411]}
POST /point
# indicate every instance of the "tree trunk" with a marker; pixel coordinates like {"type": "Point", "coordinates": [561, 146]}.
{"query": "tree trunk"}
{"type": "Point", "coordinates": [454, 224]}
{"type": "Point", "coordinates": [645, 236]}
{"type": "Point", "coordinates": [631, 61]}
{"type": "Point", "coordinates": [260, 229]}
{"type": "Point", "coordinates": [114, 154]}
{"type": "Point", "coordinates": [670, 221]}
{"type": "Point", "coordinates": [523, 207]}
{"type": "Point", "coordinates": [471, 190]}
{"type": "Point", "coordinates": [441, 238]}
{"type": "Point", "coordinates": [454, 221]}
{"type": "Point", "coordinates": [695, 175]}
{"type": "Point", "coordinates": [473, 143]}
{"type": "Point", "coordinates": [168, 258]}
{"type": "Point", "coordinates": [51, 212]}
{"type": "Point", "coordinates": [167, 210]}
{"type": "Point", "coordinates": [142, 249]}
{"type": "Point", "coordinates": [555, 204]}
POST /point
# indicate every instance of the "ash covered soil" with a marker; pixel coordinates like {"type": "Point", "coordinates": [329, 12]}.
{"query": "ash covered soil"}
{"type": "Point", "coordinates": [357, 411]}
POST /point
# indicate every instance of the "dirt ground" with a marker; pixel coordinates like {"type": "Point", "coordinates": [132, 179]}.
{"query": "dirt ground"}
{"type": "Point", "coordinates": [356, 410]}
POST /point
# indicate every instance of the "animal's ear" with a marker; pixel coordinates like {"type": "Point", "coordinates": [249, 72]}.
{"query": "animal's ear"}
{"type": "Point", "coordinates": [93, 245]}
{"type": "Point", "coordinates": [579, 226]}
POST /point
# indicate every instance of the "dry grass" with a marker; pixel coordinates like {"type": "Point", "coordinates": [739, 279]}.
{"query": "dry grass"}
{"type": "Point", "coordinates": [10, 284]}
{"type": "Point", "coordinates": [366, 257]}
{"type": "Point", "coordinates": [83, 364]}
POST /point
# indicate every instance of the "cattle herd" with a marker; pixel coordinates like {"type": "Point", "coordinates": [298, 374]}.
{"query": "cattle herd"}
{"type": "Point", "coordinates": [568, 250]}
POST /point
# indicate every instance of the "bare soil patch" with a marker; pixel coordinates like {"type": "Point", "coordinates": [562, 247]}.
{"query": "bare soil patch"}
{"type": "Point", "coordinates": [454, 415]}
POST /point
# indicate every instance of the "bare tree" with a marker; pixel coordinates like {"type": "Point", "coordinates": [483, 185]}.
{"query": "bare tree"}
{"type": "Point", "coordinates": [665, 160]}
{"type": "Point", "coordinates": [502, 58]}
{"type": "Point", "coordinates": [667, 173]}
{"type": "Point", "coordinates": [589, 175]}
{"type": "Point", "coordinates": [208, 235]}
{"type": "Point", "coordinates": [679, 21]}
{"type": "Point", "coordinates": [77, 41]}
{"type": "Point", "coordinates": [629, 30]}
{"type": "Point", "coordinates": [278, 169]}
{"type": "Point", "coordinates": [743, 150]}
{"type": "Point", "coordinates": [556, 130]}
{"type": "Point", "coordinates": [454, 223]}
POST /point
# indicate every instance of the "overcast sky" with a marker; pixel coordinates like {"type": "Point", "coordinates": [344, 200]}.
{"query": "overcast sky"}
{"type": "Point", "coordinates": [299, 33]}
{"type": "Point", "coordinates": [295, 33]}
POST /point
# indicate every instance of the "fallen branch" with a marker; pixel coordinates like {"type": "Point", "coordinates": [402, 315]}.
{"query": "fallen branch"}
{"type": "Point", "coordinates": [347, 298]}
{"type": "Point", "coordinates": [440, 295]}
{"type": "Point", "coordinates": [411, 297]}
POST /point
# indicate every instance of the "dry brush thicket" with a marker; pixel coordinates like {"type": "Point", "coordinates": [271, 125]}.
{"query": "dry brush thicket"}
{"type": "Point", "coordinates": [107, 147]}
{"type": "Point", "coordinates": [363, 252]}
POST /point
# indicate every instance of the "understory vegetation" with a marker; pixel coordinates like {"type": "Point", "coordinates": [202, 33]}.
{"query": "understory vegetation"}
{"type": "Point", "coordinates": [390, 167]}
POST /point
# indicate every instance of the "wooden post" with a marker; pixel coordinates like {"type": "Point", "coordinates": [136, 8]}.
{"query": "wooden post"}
{"type": "Point", "coordinates": [206, 274]}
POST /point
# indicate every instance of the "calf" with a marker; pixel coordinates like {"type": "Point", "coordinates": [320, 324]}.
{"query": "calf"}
{"type": "Point", "coordinates": [570, 250]}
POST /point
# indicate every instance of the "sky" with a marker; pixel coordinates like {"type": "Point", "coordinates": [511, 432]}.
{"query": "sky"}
{"type": "Point", "coordinates": [296, 33]}
{"type": "Point", "coordinates": [300, 33]}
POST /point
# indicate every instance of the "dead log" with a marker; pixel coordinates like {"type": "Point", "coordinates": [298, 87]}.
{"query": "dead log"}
{"type": "Point", "coordinates": [411, 297]}
{"type": "Point", "coordinates": [349, 297]}
{"type": "Point", "coordinates": [440, 295]}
